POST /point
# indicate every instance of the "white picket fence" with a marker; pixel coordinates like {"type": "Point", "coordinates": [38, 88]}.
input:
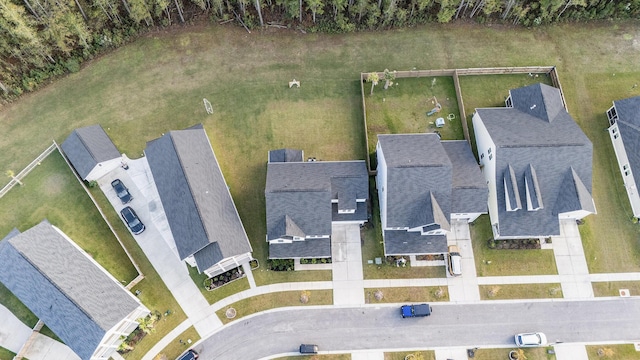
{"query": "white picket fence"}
{"type": "Point", "coordinates": [16, 179]}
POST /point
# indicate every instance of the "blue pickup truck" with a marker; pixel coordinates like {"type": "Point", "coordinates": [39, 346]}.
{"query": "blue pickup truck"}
{"type": "Point", "coordinates": [416, 310]}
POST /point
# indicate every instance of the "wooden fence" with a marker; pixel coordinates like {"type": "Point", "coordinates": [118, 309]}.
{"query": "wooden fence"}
{"type": "Point", "coordinates": [455, 74]}
{"type": "Point", "coordinates": [16, 179]}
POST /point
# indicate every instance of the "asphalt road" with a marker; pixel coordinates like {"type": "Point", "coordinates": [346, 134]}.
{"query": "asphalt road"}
{"type": "Point", "coordinates": [484, 324]}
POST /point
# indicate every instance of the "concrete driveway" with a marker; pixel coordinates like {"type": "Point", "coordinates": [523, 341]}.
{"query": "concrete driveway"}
{"type": "Point", "coordinates": [346, 255]}
{"type": "Point", "coordinates": [157, 242]}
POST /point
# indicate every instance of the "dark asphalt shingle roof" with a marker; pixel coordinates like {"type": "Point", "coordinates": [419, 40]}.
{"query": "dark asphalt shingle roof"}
{"type": "Point", "coordinates": [88, 146]}
{"type": "Point", "coordinates": [628, 111]}
{"type": "Point", "coordinates": [553, 145]}
{"type": "Point", "coordinates": [195, 196]}
{"type": "Point", "coordinates": [286, 155]}
{"type": "Point", "coordinates": [309, 211]}
{"type": "Point", "coordinates": [418, 171]}
{"type": "Point", "coordinates": [309, 248]}
{"type": "Point", "coordinates": [302, 192]}
{"type": "Point", "coordinates": [63, 287]}
{"type": "Point", "coordinates": [399, 242]}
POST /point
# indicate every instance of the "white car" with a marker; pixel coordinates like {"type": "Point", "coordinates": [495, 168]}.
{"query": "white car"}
{"type": "Point", "coordinates": [531, 339]}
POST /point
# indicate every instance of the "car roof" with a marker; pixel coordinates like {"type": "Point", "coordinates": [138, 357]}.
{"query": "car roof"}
{"type": "Point", "coordinates": [531, 338]}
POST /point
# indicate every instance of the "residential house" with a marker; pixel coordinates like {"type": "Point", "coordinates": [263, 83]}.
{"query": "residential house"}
{"type": "Point", "coordinates": [91, 152]}
{"type": "Point", "coordinates": [205, 224]}
{"type": "Point", "coordinates": [86, 307]}
{"type": "Point", "coordinates": [305, 199]}
{"type": "Point", "coordinates": [537, 162]}
{"type": "Point", "coordinates": [423, 184]}
{"type": "Point", "coordinates": [624, 130]}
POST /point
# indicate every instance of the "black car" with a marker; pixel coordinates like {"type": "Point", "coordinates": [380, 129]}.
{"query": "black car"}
{"type": "Point", "coordinates": [308, 349]}
{"type": "Point", "coordinates": [131, 218]}
{"type": "Point", "coordinates": [122, 191]}
{"type": "Point", "coordinates": [189, 355]}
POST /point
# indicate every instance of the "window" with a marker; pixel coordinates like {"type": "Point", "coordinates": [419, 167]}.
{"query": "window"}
{"type": "Point", "coordinates": [489, 151]}
{"type": "Point", "coordinates": [482, 156]}
{"type": "Point", "coordinates": [614, 130]}
{"type": "Point", "coordinates": [490, 156]}
{"type": "Point", "coordinates": [615, 136]}
{"type": "Point", "coordinates": [627, 172]}
{"type": "Point", "coordinates": [625, 166]}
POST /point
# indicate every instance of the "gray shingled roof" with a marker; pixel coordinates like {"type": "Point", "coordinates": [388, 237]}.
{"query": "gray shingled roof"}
{"type": "Point", "coordinates": [286, 155]}
{"type": "Point", "coordinates": [539, 100]}
{"type": "Point", "coordinates": [309, 248]}
{"type": "Point", "coordinates": [195, 196]}
{"type": "Point", "coordinates": [309, 211]}
{"type": "Point", "coordinates": [469, 191]}
{"type": "Point", "coordinates": [417, 168]}
{"type": "Point", "coordinates": [87, 147]}
{"type": "Point", "coordinates": [628, 111]}
{"type": "Point", "coordinates": [399, 242]}
{"type": "Point", "coordinates": [553, 148]}
{"type": "Point", "coordinates": [300, 194]}
{"type": "Point", "coordinates": [63, 287]}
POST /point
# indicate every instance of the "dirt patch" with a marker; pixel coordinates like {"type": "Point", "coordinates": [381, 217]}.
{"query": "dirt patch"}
{"type": "Point", "coordinates": [54, 184]}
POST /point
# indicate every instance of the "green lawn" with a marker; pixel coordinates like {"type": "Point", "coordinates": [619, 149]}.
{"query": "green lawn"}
{"type": "Point", "coordinates": [52, 192]}
{"type": "Point", "coordinates": [426, 355]}
{"type": "Point", "coordinates": [317, 357]}
{"type": "Point", "coordinates": [245, 77]}
{"type": "Point", "coordinates": [408, 294]}
{"type": "Point", "coordinates": [622, 352]}
{"type": "Point", "coordinates": [613, 288]}
{"type": "Point", "coordinates": [6, 354]}
{"type": "Point", "coordinates": [494, 262]}
{"type": "Point", "coordinates": [520, 291]}
{"type": "Point", "coordinates": [403, 108]}
{"type": "Point", "coordinates": [180, 344]}
{"type": "Point", "coordinates": [263, 302]}
{"type": "Point", "coordinates": [531, 354]}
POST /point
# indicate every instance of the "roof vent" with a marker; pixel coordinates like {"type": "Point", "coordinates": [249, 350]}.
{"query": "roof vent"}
{"type": "Point", "coordinates": [532, 107]}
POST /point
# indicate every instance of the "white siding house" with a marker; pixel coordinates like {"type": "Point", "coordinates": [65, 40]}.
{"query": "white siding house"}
{"type": "Point", "coordinates": [624, 118]}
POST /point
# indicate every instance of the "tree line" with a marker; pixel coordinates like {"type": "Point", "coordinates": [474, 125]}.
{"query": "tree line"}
{"type": "Point", "coordinates": [41, 39]}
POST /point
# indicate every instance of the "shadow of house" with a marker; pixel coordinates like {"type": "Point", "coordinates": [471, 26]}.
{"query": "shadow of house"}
{"type": "Point", "coordinates": [71, 293]}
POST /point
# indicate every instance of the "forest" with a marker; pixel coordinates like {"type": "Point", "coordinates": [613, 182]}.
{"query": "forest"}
{"type": "Point", "coordinates": [43, 39]}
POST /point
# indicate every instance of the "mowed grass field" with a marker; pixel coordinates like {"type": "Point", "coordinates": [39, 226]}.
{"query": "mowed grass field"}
{"type": "Point", "coordinates": [157, 84]}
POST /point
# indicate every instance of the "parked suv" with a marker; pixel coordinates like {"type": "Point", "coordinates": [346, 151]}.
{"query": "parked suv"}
{"type": "Point", "coordinates": [454, 261]}
{"type": "Point", "coordinates": [133, 222]}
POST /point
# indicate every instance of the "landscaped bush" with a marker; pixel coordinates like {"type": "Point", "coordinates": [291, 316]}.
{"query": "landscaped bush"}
{"type": "Point", "coordinates": [514, 244]}
{"type": "Point", "coordinates": [280, 264]}
{"type": "Point", "coordinates": [316, 261]}
{"type": "Point", "coordinates": [224, 278]}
